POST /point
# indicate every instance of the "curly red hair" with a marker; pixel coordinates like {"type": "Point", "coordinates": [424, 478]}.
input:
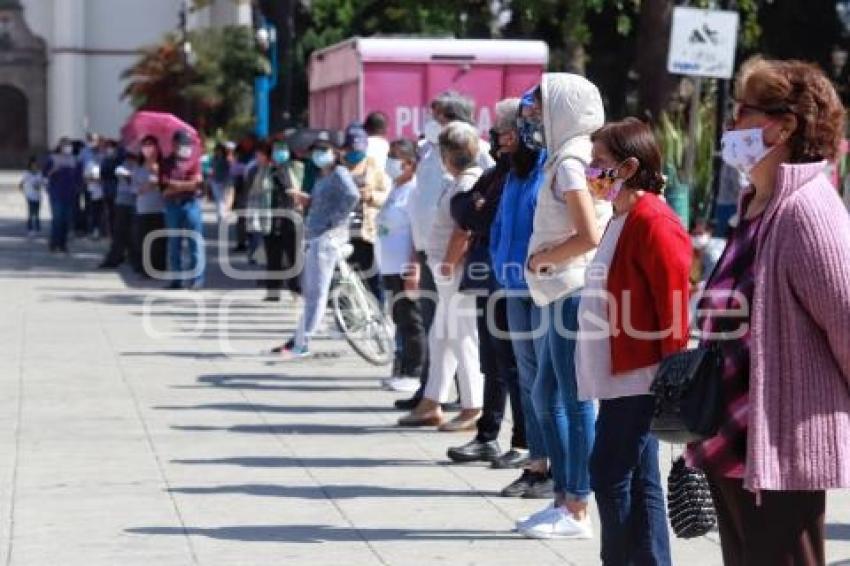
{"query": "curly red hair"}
{"type": "Point", "coordinates": [806, 92]}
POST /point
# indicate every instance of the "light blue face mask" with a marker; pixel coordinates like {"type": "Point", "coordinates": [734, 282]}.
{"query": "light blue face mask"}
{"type": "Point", "coordinates": [355, 157]}
{"type": "Point", "coordinates": [280, 156]}
{"type": "Point", "coordinates": [323, 158]}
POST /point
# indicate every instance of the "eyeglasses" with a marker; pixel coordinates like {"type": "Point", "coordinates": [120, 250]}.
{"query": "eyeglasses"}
{"type": "Point", "coordinates": [742, 110]}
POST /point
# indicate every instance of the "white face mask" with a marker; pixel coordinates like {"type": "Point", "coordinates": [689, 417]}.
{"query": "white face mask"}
{"type": "Point", "coordinates": [744, 149]}
{"type": "Point", "coordinates": [394, 168]}
{"type": "Point", "coordinates": [184, 151]}
{"type": "Point", "coordinates": [701, 241]}
{"type": "Point", "coordinates": [67, 149]}
{"type": "Point", "coordinates": [432, 130]}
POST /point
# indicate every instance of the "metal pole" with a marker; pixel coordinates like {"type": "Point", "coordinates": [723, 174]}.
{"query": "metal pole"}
{"type": "Point", "coordinates": [690, 157]}
{"type": "Point", "coordinates": [720, 121]}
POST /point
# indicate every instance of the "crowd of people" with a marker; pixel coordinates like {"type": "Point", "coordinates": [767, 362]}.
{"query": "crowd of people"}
{"type": "Point", "coordinates": [545, 267]}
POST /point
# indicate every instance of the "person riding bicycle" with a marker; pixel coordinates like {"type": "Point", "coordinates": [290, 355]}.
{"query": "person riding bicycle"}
{"type": "Point", "coordinates": [330, 203]}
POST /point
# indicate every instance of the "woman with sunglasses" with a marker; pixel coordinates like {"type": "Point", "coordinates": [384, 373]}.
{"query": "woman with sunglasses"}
{"type": "Point", "coordinates": [634, 311]}
{"type": "Point", "coordinates": [779, 305]}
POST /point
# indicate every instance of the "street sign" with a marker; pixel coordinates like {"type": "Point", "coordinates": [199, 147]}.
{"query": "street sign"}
{"type": "Point", "coordinates": [702, 43]}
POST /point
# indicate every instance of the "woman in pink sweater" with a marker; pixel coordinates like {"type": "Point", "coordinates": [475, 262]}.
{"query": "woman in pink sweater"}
{"type": "Point", "coordinates": [779, 305]}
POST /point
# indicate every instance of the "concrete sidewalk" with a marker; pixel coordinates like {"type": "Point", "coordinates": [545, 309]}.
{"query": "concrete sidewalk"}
{"type": "Point", "coordinates": [142, 426]}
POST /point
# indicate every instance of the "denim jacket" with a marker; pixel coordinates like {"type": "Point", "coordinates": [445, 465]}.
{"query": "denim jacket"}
{"type": "Point", "coordinates": [333, 198]}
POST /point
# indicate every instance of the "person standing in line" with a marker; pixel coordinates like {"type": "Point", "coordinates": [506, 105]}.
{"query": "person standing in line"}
{"type": "Point", "coordinates": [374, 188]}
{"type": "Point", "coordinates": [330, 204]}
{"type": "Point", "coordinates": [31, 185]}
{"type": "Point", "coordinates": [510, 237]}
{"type": "Point", "coordinates": [181, 180]}
{"type": "Point", "coordinates": [778, 306]}
{"type": "Point", "coordinates": [258, 204]}
{"type": "Point", "coordinates": [113, 156]}
{"type": "Point", "coordinates": [453, 338]}
{"type": "Point", "coordinates": [283, 245]}
{"type": "Point", "coordinates": [221, 182]}
{"type": "Point", "coordinates": [431, 180]}
{"type": "Point", "coordinates": [634, 311]}
{"type": "Point", "coordinates": [240, 166]}
{"type": "Point", "coordinates": [568, 224]}
{"type": "Point", "coordinates": [94, 190]}
{"type": "Point", "coordinates": [399, 269]}
{"type": "Point", "coordinates": [378, 148]}
{"type": "Point", "coordinates": [150, 210]}
{"type": "Point", "coordinates": [123, 243]}
{"type": "Point", "coordinates": [474, 211]}
{"type": "Point", "coordinates": [64, 177]}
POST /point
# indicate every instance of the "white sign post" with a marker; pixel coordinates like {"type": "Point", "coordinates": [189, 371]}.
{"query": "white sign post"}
{"type": "Point", "coordinates": [702, 45]}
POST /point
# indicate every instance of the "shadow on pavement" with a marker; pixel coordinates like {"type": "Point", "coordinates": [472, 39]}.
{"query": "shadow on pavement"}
{"type": "Point", "coordinates": [321, 533]}
{"type": "Point", "coordinates": [838, 531]}
{"type": "Point", "coordinates": [318, 429]}
{"type": "Point", "coordinates": [320, 492]}
{"type": "Point", "coordinates": [282, 462]}
{"type": "Point", "coordinates": [281, 409]}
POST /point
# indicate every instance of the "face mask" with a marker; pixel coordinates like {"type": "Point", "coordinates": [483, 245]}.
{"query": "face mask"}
{"type": "Point", "coordinates": [354, 157]}
{"type": "Point", "coordinates": [701, 241]}
{"type": "Point", "coordinates": [148, 152]}
{"type": "Point", "coordinates": [394, 168]}
{"type": "Point", "coordinates": [280, 156]}
{"type": "Point", "coordinates": [432, 130]}
{"type": "Point", "coordinates": [744, 149]}
{"type": "Point", "coordinates": [184, 152]}
{"type": "Point", "coordinates": [322, 158]}
{"type": "Point", "coordinates": [67, 149]}
{"type": "Point", "coordinates": [110, 152]}
{"type": "Point", "coordinates": [531, 132]}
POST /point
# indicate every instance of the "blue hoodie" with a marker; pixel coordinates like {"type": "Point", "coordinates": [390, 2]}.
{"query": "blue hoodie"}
{"type": "Point", "coordinates": [510, 233]}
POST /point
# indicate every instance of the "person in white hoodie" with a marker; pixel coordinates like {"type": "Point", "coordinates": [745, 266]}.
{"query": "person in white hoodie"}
{"type": "Point", "coordinates": [568, 225]}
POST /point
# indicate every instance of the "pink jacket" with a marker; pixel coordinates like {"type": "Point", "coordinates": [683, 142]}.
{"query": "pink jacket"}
{"type": "Point", "coordinates": [799, 420]}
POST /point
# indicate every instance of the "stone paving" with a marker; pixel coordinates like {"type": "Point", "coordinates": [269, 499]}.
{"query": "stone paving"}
{"type": "Point", "coordinates": [141, 426]}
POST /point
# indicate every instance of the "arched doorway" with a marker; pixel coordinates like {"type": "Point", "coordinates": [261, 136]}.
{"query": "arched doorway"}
{"type": "Point", "coordinates": [14, 121]}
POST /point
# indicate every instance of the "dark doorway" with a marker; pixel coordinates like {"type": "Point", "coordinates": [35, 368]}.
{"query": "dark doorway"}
{"type": "Point", "coordinates": [14, 125]}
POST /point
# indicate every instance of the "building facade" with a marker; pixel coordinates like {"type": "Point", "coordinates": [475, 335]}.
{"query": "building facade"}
{"type": "Point", "coordinates": [62, 61]}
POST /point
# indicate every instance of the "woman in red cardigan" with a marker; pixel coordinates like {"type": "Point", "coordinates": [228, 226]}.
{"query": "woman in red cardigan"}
{"type": "Point", "coordinates": [634, 311]}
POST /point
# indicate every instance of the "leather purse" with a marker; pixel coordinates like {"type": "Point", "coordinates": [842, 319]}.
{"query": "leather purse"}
{"type": "Point", "coordinates": [688, 389]}
{"type": "Point", "coordinates": [690, 507]}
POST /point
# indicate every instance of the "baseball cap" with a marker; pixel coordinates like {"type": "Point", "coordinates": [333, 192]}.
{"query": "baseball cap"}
{"type": "Point", "coordinates": [356, 137]}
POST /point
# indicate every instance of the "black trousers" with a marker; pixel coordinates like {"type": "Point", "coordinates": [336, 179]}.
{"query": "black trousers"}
{"type": "Point", "coordinates": [240, 198]}
{"type": "Point", "coordinates": [283, 251]}
{"type": "Point", "coordinates": [123, 245]}
{"type": "Point", "coordinates": [147, 223]}
{"type": "Point", "coordinates": [407, 317]}
{"type": "Point", "coordinates": [501, 379]}
{"type": "Point", "coordinates": [428, 308]}
{"type": "Point", "coordinates": [363, 260]}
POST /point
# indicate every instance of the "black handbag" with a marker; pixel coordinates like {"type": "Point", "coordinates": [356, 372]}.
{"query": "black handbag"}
{"type": "Point", "coordinates": [477, 271]}
{"type": "Point", "coordinates": [688, 389]}
{"type": "Point", "coordinates": [689, 503]}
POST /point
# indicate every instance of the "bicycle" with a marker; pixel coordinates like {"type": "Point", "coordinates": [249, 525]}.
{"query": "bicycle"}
{"type": "Point", "coordinates": [359, 316]}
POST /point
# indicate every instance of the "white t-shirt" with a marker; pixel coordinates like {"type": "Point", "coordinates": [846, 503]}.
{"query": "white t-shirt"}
{"type": "Point", "coordinates": [395, 234]}
{"type": "Point", "coordinates": [593, 348]}
{"type": "Point", "coordinates": [33, 183]}
{"type": "Point", "coordinates": [378, 149]}
{"type": "Point", "coordinates": [444, 224]}
{"type": "Point", "coordinates": [92, 174]}
{"type": "Point", "coordinates": [570, 176]}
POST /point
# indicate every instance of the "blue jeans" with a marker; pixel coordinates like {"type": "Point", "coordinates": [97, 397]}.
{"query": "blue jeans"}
{"type": "Point", "coordinates": [33, 220]}
{"type": "Point", "coordinates": [186, 215]}
{"type": "Point", "coordinates": [568, 424]}
{"type": "Point", "coordinates": [60, 223]}
{"type": "Point", "coordinates": [320, 262]}
{"type": "Point", "coordinates": [523, 319]}
{"type": "Point", "coordinates": [626, 479]}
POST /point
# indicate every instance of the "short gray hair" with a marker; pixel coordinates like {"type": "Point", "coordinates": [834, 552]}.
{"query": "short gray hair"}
{"type": "Point", "coordinates": [507, 111]}
{"type": "Point", "coordinates": [459, 145]}
{"type": "Point", "coordinates": [454, 106]}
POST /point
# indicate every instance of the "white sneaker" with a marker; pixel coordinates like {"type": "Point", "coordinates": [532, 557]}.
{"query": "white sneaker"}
{"type": "Point", "coordinates": [534, 517]}
{"type": "Point", "coordinates": [561, 524]}
{"type": "Point", "coordinates": [403, 384]}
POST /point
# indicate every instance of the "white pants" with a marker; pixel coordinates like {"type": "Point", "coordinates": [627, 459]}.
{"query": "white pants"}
{"type": "Point", "coordinates": [220, 194]}
{"type": "Point", "coordinates": [453, 346]}
{"type": "Point", "coordinates": [319, 264]}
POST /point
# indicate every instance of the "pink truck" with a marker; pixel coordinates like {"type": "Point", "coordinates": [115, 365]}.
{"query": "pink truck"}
{"type": "Point", "coordinates": [401, 76]}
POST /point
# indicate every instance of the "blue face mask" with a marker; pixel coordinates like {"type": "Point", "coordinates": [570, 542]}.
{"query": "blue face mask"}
{"type": "Point", "coordinates": [531, 133]}
{"type": "Point", "coordinates": [355, 157]}
{"type": "Point", "coordinates": [323, 158]}
{"type": "Point", "coordinates": [280, 156]}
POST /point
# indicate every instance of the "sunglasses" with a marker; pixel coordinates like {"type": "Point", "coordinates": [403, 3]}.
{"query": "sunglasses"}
{"type": "Point", "coordinates": [742, 110]}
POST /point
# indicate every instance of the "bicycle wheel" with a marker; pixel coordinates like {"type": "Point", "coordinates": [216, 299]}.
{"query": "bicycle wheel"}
{"type": "Point", "coordinates": [362, 322]}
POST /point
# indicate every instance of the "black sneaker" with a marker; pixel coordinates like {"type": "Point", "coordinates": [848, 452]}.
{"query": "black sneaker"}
{"type": "Point", "coordinates": [521, 486]}
{"type": "Point", "coordinates": [513, 458]}
{"type": "Point", "coordinates": [475, 451]}
{"type": "Point", "coordinates": [407, 404]}
{"type": "Point", "coordinates": [288, 345]}
{"type": "Point", "coordinates": [542, 488]}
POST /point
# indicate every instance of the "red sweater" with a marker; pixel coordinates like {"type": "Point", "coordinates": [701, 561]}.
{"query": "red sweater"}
{"type": "Point", "coordinates": [649, 286]}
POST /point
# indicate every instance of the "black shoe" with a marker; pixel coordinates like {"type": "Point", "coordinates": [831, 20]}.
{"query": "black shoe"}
{"type": "Point", "coordinates": [513, 458]}
{"type": "Point", "coordinates": [272, 298]}
{"type": "Point", "coordinates": [523, 484]}
{"type": "Point", "coordinates": [542, 488]}
{"type": "Point", "coordinates": [454, 406]}
{"type": "Point", "coordinates": [108, 265]}
{"type": "Point", "coordinates": [239, 250]}
{"type": "Point", "coordinates": [407, 404]}
{"type": "Point", "coordinates": [288, 345]}
{"type": "Point", "coordinates": [475, 451]}
{"type": "Point", "coordinates": [174, 285]}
